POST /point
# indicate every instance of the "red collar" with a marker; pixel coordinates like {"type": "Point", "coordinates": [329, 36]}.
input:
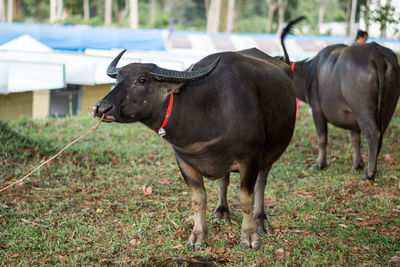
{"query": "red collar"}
{"type": "Point", "coordinates": [292, 66]}
{"type": "Point", "coordinates": [161, 131]}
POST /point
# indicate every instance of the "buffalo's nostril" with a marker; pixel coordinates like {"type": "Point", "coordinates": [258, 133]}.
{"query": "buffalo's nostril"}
{"type": "Point", "coordinates": [103, 107]}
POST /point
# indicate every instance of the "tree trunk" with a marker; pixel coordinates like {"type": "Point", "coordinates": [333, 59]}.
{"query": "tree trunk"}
{"type": "Point", "coordinates": [271, 10]}
{"type": "Point", "coordinates": [108, 13]}
{"type": "Point", "coordinates": [59, 9]}
{"type": "Point", "coordinates": [348, 17]}
{"type": "Point", "coordinates": [281, 13]}
{"type": "Point", "coordinates": [214, 16]}
{"type": "Point", "coordinates": [53, 11]}
{"type": "Point", "coordinates": [153, 9]}
{"type": "Point", "coordinates": [321, 14]}
{"type": "Point", "coordinates": [17, 8]}
{"type": "Point", "coordinates": [86, 9]}
{"type": "Point", "coordinates": [10, 11]}
{"type": "Point", "coordinates": [230, 17]}
{"type": "Point", "coordinates": [2, 11]}
{"type": "Point", "coordinates": [367, 14]}
{"type": "Point", "coordinates": [384, 26]}
{"type": "Point", "coordinates": [353, 18]}
{"type": "Point", "coordinates": [207, 6]}
{"type": "Point", "coordinates": [134, 15]}
{"type": "Point", "coordinates": [237, 13]}
{"type": "Point", "coordinates": [116, 10]}
{"type": "Point", "coordinates": [124, 13]}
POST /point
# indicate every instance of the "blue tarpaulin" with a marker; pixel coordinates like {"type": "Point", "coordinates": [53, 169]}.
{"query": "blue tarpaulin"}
{"type": "Point", "coordinates": [79, 38]}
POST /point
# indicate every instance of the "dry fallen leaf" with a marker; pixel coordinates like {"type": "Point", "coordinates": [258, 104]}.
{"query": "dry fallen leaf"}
{"type": "Point", "coordinates": [147, 190]}
{"type": "Point", "coordinates": [370, 222]}
{"type": "Point", "coordinates": [395, 259]}
{"type": "Point", "coordinates": [125, 259]}
{"type": "Point", "coordinates": [165, 181]}
{"type": "Point", "coordinates": [388, 158]}
{"type": "Point", "coordinates": [279, 254]}
{"type": "Point", "coordinates": [133, 242]}
{"type": "Point", "coordinates": [61, 258]}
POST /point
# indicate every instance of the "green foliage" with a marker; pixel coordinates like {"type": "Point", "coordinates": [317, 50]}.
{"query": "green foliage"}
{"type": "Point", "coordinates": [255, 24]}
{"type": "Point", "coordinates": [88, 206]}
{"type": "Point", "coordinates": [386, 15]}
{"type": "Point", "coordinates": [186, 14]}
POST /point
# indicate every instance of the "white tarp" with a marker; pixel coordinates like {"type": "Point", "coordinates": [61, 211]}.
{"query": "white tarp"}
{"type": "Point", "coordinates": [27, 76]}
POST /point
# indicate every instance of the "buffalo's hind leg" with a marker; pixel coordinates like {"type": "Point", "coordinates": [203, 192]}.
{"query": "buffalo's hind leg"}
{"type": "Point", "coordinates": [248, 177]}
{"type": "Point", "coordinates": [355, 141]}
{"type": "Point", "coordinates": [321, 126]}
{"type": "Point", "coordinates": [199, 203]}
{"type": "Point", "coordinates": [371, 132]}
{"type": "Point", "coordinates": [222, 209]}
{"type": "Point", "coordinates": [260, 217]}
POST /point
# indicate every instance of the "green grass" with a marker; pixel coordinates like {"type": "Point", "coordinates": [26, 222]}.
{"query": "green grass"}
{"type": "Point", "coordinates": [87, 207]}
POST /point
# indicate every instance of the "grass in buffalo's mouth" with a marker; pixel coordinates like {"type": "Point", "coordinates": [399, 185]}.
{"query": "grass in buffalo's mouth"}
{"type": "Point", "coordinates": [117, 198]}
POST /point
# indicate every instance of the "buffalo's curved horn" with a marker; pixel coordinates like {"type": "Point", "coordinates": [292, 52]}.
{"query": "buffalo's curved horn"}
{"type": "Point", "coordinates": [112, 68]}
{"type": "Point", "coordinates": [166, 75]}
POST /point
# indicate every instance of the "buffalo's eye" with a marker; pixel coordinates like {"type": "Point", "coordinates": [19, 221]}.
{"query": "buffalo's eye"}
{"type": "Point", "coordinates": [141, 81]}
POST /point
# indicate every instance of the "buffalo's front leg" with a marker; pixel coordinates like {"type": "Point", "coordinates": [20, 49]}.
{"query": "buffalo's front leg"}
{"type": "Point", "coordinates": [222, 209]}
{"type": "Point", "coordinates": [199, 202]}
{"type": "Point", "coordinates": [260, 216]}
{"type": "Point", "coordinates": [355, 141]}
{"type": "Point", "coordinates": [248, 177]}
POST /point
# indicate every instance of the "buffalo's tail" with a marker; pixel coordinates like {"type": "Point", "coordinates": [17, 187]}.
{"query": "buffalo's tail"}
{"type": "Point", "coordinates": [285, 32]}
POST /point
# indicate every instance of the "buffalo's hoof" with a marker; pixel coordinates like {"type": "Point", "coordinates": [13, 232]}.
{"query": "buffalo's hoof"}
{"type": "Point", "coordinates": [244, 244]}
{"type": "Point", "coordinates": [221, 217]}
{"type": "Point", "coordinates": [318, 166]}
{"type": "Point", "coordinates": [249, 240]}
{"type": "Point", "coordinates": [196, 241]}
{"type": "Point", "coordinates": [263, 227]}
{"type": "Point", "coordinates": [359, 166]}
{"type": "Point", "coordinates": [196, 247]}
{"type": "Point", "coordinates": [221, 214]}
{"type": "Point", "coordinates": [255, 245]}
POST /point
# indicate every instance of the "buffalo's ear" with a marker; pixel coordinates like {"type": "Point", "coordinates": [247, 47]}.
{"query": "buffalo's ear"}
{"type": "Point", "coordinates": [172, 88]}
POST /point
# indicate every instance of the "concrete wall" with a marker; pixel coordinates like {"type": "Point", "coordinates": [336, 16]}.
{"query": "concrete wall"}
{"type": "Point", "coordinates": [41, 104]}
{"type": "Point", "coordinates": [14, 105]}
{"type": "Point", "coordinates": [91, 94]}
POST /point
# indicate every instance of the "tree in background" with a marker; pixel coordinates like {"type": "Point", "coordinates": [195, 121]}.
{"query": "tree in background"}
{"type": "Point", "coordinates": [272, 6]}
{"type": "Point", "coordinates": [2, 11]}
{"type": "Point", "coordinates": [56, 10]}
{"type": "Point", "coordinates": [385, 15]}
{"type": "Point", "coordinates": [86, 10]}
{"type": "Point", "coordinates": [10, 10]}
{"type": "Point", "coordinates": [108, 12]}
{"type": "Point", "coordinates": [282, 4]}
{"type": "Point", "coordinates": [257, 16]}
{"type": "Point", "coordinates": [230, 17]}
{"type": "Point", "coordinates": [134, 15]}
{"type": "Point", "coordinates": [214, 12]}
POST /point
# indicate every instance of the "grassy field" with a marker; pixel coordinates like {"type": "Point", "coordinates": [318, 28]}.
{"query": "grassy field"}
{"type": "Point", "coordinates": [117, 198]}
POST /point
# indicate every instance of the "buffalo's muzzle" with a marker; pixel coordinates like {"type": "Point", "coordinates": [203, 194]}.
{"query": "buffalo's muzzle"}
{"type": "Point", "coordinates": [103, 108]}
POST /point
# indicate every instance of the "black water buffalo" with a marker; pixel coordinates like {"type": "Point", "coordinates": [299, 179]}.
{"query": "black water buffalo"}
{"type": "Point", "coordinates": [352, 87]}
{"type": "Point", "coordinates": [231, 112]}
